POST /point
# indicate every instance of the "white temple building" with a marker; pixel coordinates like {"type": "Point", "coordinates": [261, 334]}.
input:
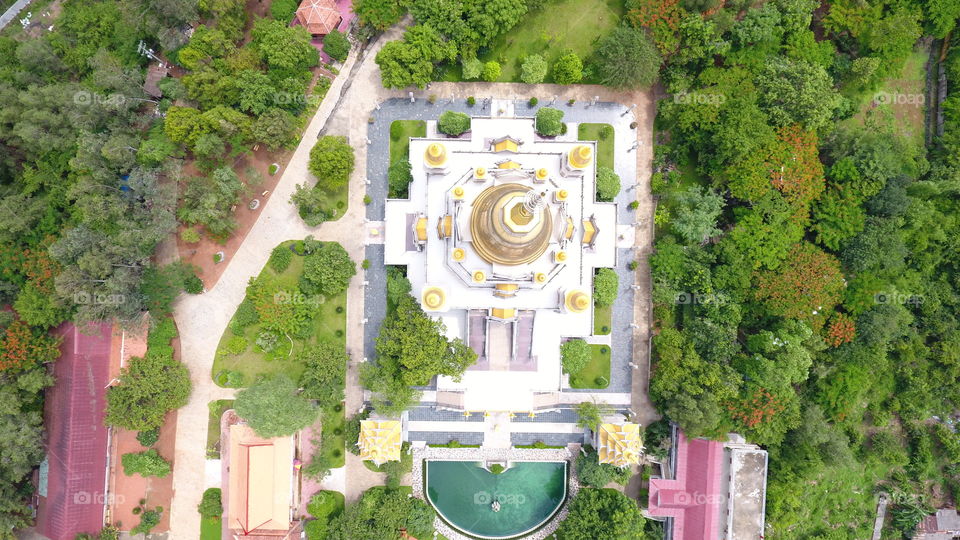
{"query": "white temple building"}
{"type": "Point", "coordinates": [500, 236]}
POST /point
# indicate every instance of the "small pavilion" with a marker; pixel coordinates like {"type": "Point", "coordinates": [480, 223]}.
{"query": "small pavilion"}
{"type": "Point", "coordinates": [619, 444]}
{"type": "Point", "coordinates": [380, 441]}
{"type": "Point", "coordinates": [319, 17]}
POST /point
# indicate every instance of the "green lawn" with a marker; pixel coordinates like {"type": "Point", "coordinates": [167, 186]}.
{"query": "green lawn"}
{"type": "Point", "coordinates": [329, 325]}
{"type": "Point", "coordinates": [400, 133]}
{"type": "Point", "coordinates": [591, 132]}
{"type": "Point", "coordinates": [209, 529]}
{"type": "Point", "coordinates": [597, 370]}
{"type": "Point", "coordinates": [217, 408]}
{"type": "Point", "coordinates": [906, 114]}
{"type": "Point", "coordinates": [334, 204]}
{"type": "Point", "coordinates": [559, 26]}
{"type": "Point", "coordinates": [334, 444]}
{"type": "Point", "coordinates": [602, 320]}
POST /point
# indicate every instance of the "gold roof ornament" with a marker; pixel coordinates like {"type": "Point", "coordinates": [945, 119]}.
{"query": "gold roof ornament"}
{"type": "Point", "coordinates": [568, 230]}
{"type": "Point", "coordinates": [619, 445]}
{"type": "Point", "coordinates": [503, 314]}
{"type": "Point", "coordinates": [576, 301]}
{"type": "Point", "coordinates": [480, 173]}
{"type": "Point", "coordinates": [506, 144]}
{"type": "Point", "coordinates": [580, 157]}
{"type": "Point", "coordinates": [435, 155]}
{"type": "Point", "coordinates": [540, 277]}
{"type": "Point", "coordinates": [560, 256]}
{"type": "Point", "coordinates": [506, 230]}
{"type": "Point", "coordinates": [434, 298]}
{"type": "Point", "coordinates": [445, 227]}
{"type": "Point", "coordinates": [541, 175]}
{"type": "Point", "coordinates": [459, 254]}
{"type": "Point", "coordinates": [479, 277]}
{"type": "Point", "coordinates": [589, 231]}
{"type": "Point", "coordinates": [421, 229]}
{"type": "Point", "coordinates": [561, 195]}
{"type": "Point", "coordinates": [508, 164]}
{"type": "Point", "coordinates": [505, 290]}
{"type": "Point", "coordinates": [458, 192]}
{"type": "Point", "coordinates": [380, 441]}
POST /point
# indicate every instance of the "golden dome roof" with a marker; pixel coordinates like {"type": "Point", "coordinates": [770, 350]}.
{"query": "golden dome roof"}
{"type": "Point", "coordinates": [577, 301]}
{"type": "Point", "coordinates": [540, 277]}
{"type": "Point", "coordinates": [436, 155]}
{"type": "Point", "coordinates": [459, 254]}
{"type": "Point", "coordinates": [580, 156]}
{"type": "Point", "coordinates": [504, 231]}
{"type": "Point", "coordinates": [434, 298]}
{"type": "Point", "coordinates": [479, 276]}
{"type": "Point", "coordinates": [458, 192]}
{"type": "Point", "coordinates": [541, 174]}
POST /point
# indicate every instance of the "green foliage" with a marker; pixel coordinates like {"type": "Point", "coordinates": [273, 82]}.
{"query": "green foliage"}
{"type": "Point", "coordinates": [491, 72]}
{"type": "Point", "coordinates": [411, 348]}
{"type": "Point", "coordinates": [605, 286]}
{"type": "Point", "coordinates": [590, 414]}
{"type": "Point", "coordinates": [207, 201]}
{"type": "Point", "coordinates": [410, 61]}
{"type": "Point", "coordinates": [549, 121]}
{"type": "Point", "coordinates": [594, 474]}
{"type": "Point", "coordinates": [210, 504]}
{"type": "Point", "coordinates": [331, 161]}
{"type": "Point", "coordinates": [148, 520]}
{"type": "Point", "coordinates": [284, 47]}
{"type": "Point", "coordinates": [696, 213]}
{"type": "Point", "coordinates": [574, 355]}
{"type": "Point", "coordinates": [533, 70]}
{"type": "Point", "coordinates": [399, 176]}
{"type": "Point", "coordinates": [147, 463]}
{"type": "Point", "coordinates": [148, 438]}
{"type": "Point", "coordinates": [497, 468]}
{"type": "Point", "coordinates": [325, 373]}
{"type": "Point", "coordinates": [274, 407]}
{"type": "Point", "coordinates": [472, 68]}
{"type": "Point", "coordinates": [380, 14]}
{"type": "Point", "coordinates": [608, 184]}
{"type": "Point", "coordinates": [568, 69]}
{"type": "Point", "coordinates": [380, 513]}
{"type": "Point", "coordinates": [280, 258]}
{"type": "Point", "coordinates": [453, 123]}
{"type": "Point", "coordinates": [797, 92]}
{"type": "Point", "coordinates": [283, 10]}
{"type": "Point", "coordinates": [336, 45]}
{"type": "Point", "coordinates": [601, 514]}
{"type": "Point", "coordinates": [148, 388]}
{"type": "Point", "coordinates": [327, 270]}
{"type": "Point", "coordinates": [626, 59]}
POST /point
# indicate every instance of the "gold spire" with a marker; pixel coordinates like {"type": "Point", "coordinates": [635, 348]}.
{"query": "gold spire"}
{"type": "Point", "coordinates": [436, 155]}
{"type": "Point", "coordinates": [434, 298]}
{"type": "Point", "coordinates": [580, 156]}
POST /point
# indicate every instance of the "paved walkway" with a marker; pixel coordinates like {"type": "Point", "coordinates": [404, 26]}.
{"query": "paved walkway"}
{"type": "Point", "coordinates": [12, 12]}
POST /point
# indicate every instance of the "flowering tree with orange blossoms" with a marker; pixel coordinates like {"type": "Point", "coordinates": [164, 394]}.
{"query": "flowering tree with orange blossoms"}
{"type": "Point", "coordinates": [22, 347]}
{"type": "Point", "coordinates": [765, 415]}
{"type": "Point", "coordinates": [840, 330]}
{"type": "Point", "coordinates": [806, 286]}
{"type": "Point", "coordinates": [661, 17]}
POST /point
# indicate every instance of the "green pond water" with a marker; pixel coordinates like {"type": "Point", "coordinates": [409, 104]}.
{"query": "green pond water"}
{"type": "Point", "coordinates": [463, 493]}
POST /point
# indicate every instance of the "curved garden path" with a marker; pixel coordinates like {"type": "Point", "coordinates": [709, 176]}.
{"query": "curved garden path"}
{"type": "Point", "coordinates": [202, 319]}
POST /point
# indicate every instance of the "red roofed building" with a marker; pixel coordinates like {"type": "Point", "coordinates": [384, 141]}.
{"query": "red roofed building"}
{"type": "Point", "coordinates": [73, 477]}
{"type": "Point", "coordinates": [319, 17]}
{"type": "Point", "coordinates": [711, 490]}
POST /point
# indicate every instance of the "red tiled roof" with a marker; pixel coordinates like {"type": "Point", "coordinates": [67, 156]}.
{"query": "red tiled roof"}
{"type": "Point", "coordinates": [693, 497]}
{"type": "Point", "coordinates": [318, 16]}
{"type": "Point", "coordinates": [76, 435]}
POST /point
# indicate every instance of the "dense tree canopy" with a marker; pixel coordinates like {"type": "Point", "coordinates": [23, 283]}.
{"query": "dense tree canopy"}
{"type": "Point", "coordinates": [274, 407]}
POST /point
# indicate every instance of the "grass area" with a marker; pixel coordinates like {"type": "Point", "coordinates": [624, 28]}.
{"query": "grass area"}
{"type": "Point", "coordinates": [329, 324]}
{"type": "Point", "coordinates": [602, 320]}
{"type": "Point", "coordinates": [604, 138]}
{"type": "Point", "coordinates": [217, 408]}
{"type": "Point", "coordinates": [597, 372]}
{"type": "Point", "coordinates": [559, 26]}
{"type": "Point", "coordinates": [209, 529]}
{"type": "Point", "coordinates": [400, 133]}
{"type": "Point", "coordinates": [902, 95]}
{"type": "Point", "coordinates": [334, 445]}
{"type": "Point", "coordinates": [537, 446]}
{"type": "Point", "coordinates": [333, 204]}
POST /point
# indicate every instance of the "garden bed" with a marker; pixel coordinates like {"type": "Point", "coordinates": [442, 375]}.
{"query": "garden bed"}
{"type": "Point", "coordinates": [602, 320]}
{"type": "Point", "coordinates": [328, 324]}
{"type": "Point", "coordinates": [603, 134]}
{"type": "Point", "coordinates": [400, 133]}
{"type": "Point", "coordinates": [597, 373]}
{"type": "Point", "coordinates": [217, 408]}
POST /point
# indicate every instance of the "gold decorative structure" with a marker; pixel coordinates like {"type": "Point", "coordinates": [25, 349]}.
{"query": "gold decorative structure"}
{"type": "Point", "coordinates": [380, 441]}
{"type": "Point", "coordinates": [619, 444]}
{"type": "Point", "coordinates": [434, 298]}
{"type": "Point", "coordinates": [459, 254]}
{"type": "Point", "coordinates": [580, 157]}
{"type": "Point", "coordinates": [576, 301]}
{"type": "Point", "coordinates": [435, 156]}
{"type": "Point", "coordinates": [505, 230]}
